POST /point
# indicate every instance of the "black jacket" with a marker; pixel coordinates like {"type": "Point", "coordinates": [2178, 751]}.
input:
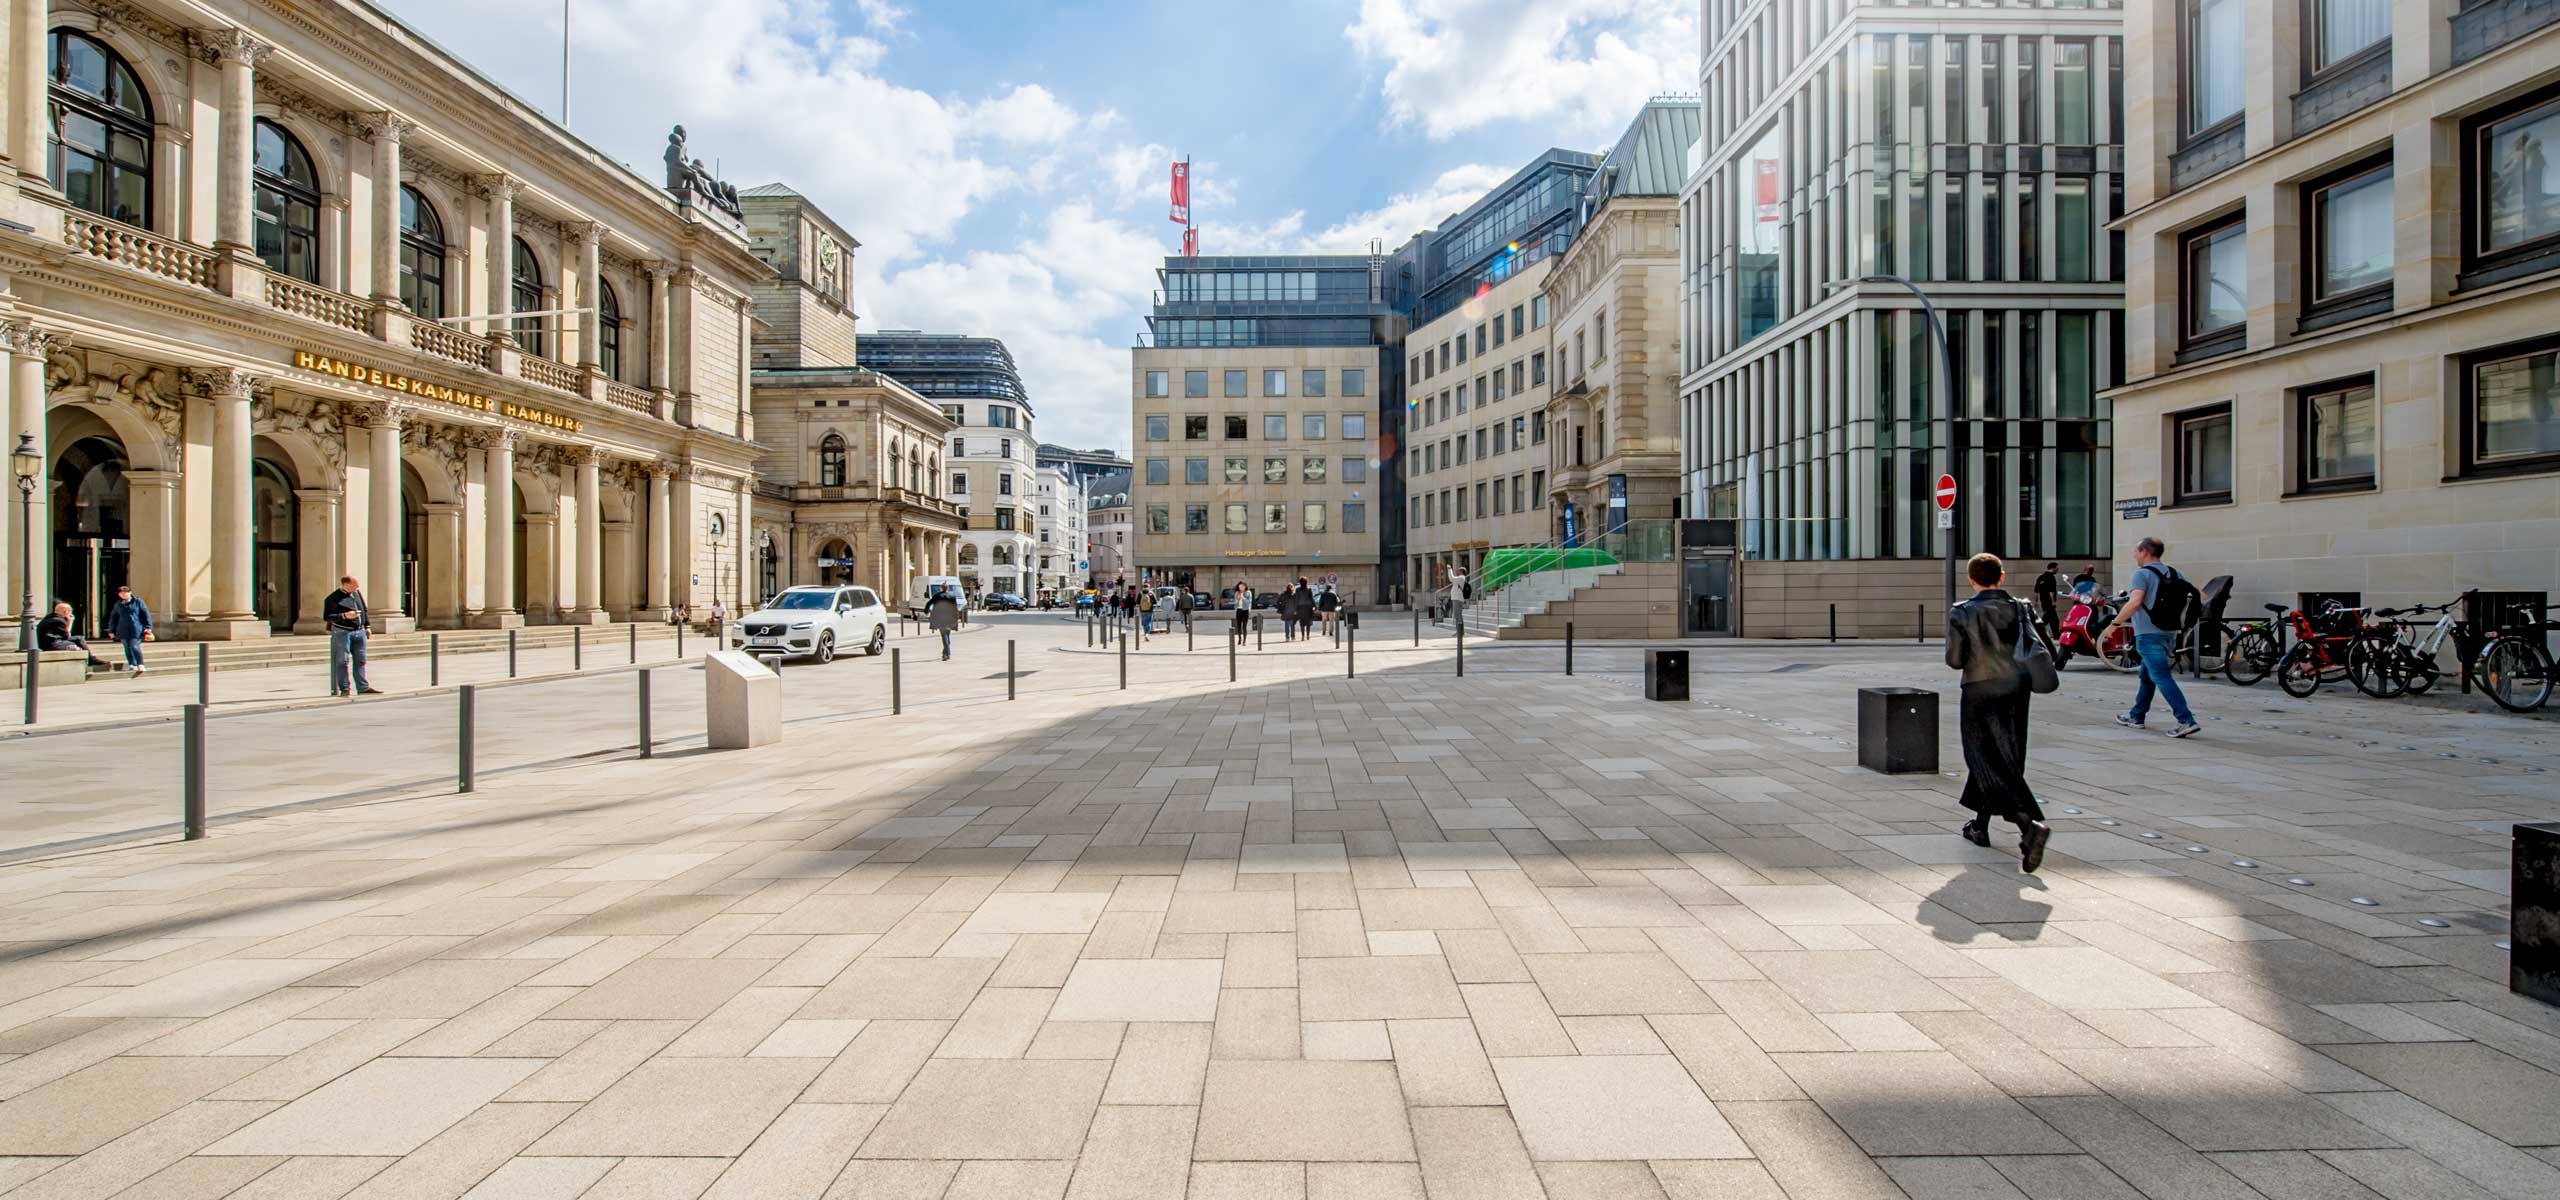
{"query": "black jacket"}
{"type": "Point", "coordinates": [343, 610]}
{"type": "Point", "coordinates": [53, 632]}
{"type": "Point", "coordinates": [1982, 637]}
{"type": "Point", "coordinates": [2048, 585]}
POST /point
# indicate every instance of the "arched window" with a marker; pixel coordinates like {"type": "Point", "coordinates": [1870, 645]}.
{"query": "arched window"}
{"type": "Point", "coordinates": [608, 329]}
{"type": "Point", "coordinates": [525, 295]}
{"type": "Point", "coordinates": [421, 255]}
{"type": "Point", "coordinates": [831, 461]}
{"type": "Point", "coordinates": [287, 195]}
{"type": "Point", "coordinates": [101, 128]}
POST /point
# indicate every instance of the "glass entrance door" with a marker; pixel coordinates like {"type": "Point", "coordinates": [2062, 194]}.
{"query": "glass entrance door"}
{"type": "Point", "coordinates": [1706, 588]}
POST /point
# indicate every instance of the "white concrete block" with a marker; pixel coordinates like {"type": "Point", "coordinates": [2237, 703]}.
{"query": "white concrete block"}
{"type": "Point", "coordinates": [741, 701]}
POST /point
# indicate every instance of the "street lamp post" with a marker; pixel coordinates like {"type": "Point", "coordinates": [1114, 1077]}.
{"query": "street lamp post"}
{"type": "Point", "coordinates": [26, 462]}
{"type": "Point", "coordinates": [1946, 403]}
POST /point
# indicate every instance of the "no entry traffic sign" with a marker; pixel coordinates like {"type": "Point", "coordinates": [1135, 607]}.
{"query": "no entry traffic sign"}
{"type": "Point", "coordinates": [1946, 492]}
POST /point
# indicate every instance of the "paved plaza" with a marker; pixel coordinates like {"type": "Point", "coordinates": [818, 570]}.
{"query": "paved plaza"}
{"type": "Point", "coordinates": [1400, 935]}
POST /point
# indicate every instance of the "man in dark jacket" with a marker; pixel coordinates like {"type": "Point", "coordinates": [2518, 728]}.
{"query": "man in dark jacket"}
{"type": "Point", "coordinates": [2048, 588]}
{"type": "Point", "coordinates": [129, 623]}
{"type": "Point", "coordinates": [54, 632]}
{"type": "Point", "coordinates": [345, 614]}
{"type": "Point", "coordinates": [1302, 608]}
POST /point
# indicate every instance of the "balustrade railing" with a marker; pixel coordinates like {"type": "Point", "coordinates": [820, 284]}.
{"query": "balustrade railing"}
{"type": "Point", "coordinates": [636, 399]}
{"type": "Point", "coordinates": [550, 374]}
{"type": "Point", "coordinates": [444, 341]}
{"type": "Point", "coordinates": [319, 304]}
{"type": "Point", "coordinates": [127, 246]}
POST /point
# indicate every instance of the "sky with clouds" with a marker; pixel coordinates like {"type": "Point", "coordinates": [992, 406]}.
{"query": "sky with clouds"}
{"type": "Point", "coordinates": [1003, 162]}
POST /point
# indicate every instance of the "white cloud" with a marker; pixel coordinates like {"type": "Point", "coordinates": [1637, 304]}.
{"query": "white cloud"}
{"type": "Point", "coordinates": [1580, 66]}
{"type": "Point", "coordinates": [1027, 115]}
{"type": "Point", "coordinates": [881, 14]}
{"type": "Point", "coordinates": [1401, 217]}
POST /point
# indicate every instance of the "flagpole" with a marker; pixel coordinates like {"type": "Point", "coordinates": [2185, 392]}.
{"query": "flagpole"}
{"type": "Point", "coordinates": [565, 6]}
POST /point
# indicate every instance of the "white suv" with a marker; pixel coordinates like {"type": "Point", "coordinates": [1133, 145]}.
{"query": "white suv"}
{"type": "Point", "coordinates": [816, 622]}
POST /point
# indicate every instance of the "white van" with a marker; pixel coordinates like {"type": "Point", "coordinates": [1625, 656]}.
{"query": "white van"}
{"type": "Point", "coordinates": [920, 591]}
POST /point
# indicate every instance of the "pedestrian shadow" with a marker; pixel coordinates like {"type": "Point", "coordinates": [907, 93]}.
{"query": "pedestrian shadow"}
{"type": "Point", "coordinates": [1964, 904]}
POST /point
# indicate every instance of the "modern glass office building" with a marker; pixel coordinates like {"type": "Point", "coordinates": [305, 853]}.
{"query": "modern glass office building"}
{"type": "Point", "coordinates": [1973, 149]}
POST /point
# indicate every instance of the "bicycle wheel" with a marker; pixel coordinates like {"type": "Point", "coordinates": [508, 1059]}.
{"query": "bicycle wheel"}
{"type": "Point", "coordinates": [2298, 672]}
{"type": "Point", "coordinates": [2118, 652]}
{"type": "Point", "coordinates": [2419, 671]}
{"type": "Point", "coordinates": [2371, 666]}
{"type": "Point", "coordinates": [2516, 673]}
{"type": "Point", "coordinates": [2253, 653]}
{"type": "Point", "coordinates": [2213, 661]}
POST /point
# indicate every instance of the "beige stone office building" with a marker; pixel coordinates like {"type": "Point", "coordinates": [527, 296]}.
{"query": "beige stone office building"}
{"type": "Point", "coordinates": [1254, 463]}
{"type": "Point", "coordinates": [240, 237]}
{"type": "Point", "coordinates": [2343, 240]}
{"type": "Point", "coordinates": [1477, 382]}
{"type": "Point", "coordinates": [849, 488]}
{"type": "Point", "coordinates": [1613, 436]}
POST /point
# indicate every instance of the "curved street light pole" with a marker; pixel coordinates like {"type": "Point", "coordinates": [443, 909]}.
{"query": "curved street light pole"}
{"type": "Point", "coordinates": [1946, 404]}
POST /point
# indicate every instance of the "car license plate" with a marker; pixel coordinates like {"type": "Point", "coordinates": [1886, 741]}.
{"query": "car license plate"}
{"type": "Point", "coordinates": [764, 641]}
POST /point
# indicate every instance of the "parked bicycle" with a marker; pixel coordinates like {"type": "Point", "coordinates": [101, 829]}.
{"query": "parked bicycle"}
{"type": "Point", "coordinates": [2337, 644]}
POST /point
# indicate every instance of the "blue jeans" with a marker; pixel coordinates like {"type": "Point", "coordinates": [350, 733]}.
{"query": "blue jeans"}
{"type": "Point", "coordinates": [2154, 649]}
{"type": "Point", "coordinates": [132, 652]}
{"type": "Point", "coordinates": [346, 652]}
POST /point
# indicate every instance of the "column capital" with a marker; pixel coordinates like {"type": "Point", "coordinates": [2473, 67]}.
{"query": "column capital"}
{"type": "Point", "coordinates": [221, 383]}
{"type": "Point", "coordinates": [500, 186]}
{"type": "Point", "coordinates": [227, 46]}
{"type": "Point", "coordinates": [659, 271]}
{"type": "Point", "coordinates": [582, 456]}
{"type": "Point", "coordinates": [25, 338]}
{"type": "Point", "coordinates": [375, 414]}
{"type": "Point", "coordinates": [385, 126]}
{"type": "Point", "coordinates": [589, 234]}
{"type": "Point", "coordinates": [491, 438]}
{"type": "Point", "coordinates": [661, 468]}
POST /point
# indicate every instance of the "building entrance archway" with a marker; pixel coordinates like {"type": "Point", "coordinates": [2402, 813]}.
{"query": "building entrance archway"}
{"type": "Point", "coordinates": [92, 538]}
{"type": "Point", "coordinates": [413, 542]}
{"type": "Point", "coordinates": [274, 541]}
{"type": "Point", "coordinates": [835, 562]}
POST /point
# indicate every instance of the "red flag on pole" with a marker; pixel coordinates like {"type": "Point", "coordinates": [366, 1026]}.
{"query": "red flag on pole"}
{"type": "Point", "coordinates": [1190, 242]}
{"type": "Point", "coordinates": [1181, 193]}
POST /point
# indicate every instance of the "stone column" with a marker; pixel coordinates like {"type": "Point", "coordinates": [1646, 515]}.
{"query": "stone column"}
{"type": "Point", "coordinates": [23, 348]}
{"type": "Point", "coordinates": [28, 23]}
{"type": "Point", "coordinates": [659, 274]}
{"type": "Point", "coordinates": [384, 520]}
{"type": "Point", "coordinates": [501, 190]}
{"type": "Point", "coordinates": [237, 53]}
{"type": "Point", "coordinates": [151, 509]}
{"type": "Point", "coordinates": [316, 515]}
{"type": "Point", "coordinates": [590, 238]}
{"type": "Point", "coordinates": [498, 505]}
{"type": "Point", "coordinates": [235, 613]}
{"type": "Point", "coordinates": [170, 144]}
{"type": "Point", "coordinates": [656, 575]}
{"type": "Point", "coordinates": [383, 129]}
{"type": "Point", "coordinates": [588, 466]}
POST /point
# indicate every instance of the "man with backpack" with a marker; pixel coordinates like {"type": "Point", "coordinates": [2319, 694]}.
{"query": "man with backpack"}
{"type": "Point", "coordinates": [2162, 605]}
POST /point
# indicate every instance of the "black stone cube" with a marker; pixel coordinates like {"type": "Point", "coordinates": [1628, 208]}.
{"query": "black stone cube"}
{"type": "Point", "coordinates": [2533, 964]}
{"type": "Point", "coordinates": [1666, 674]}
{"type": "Point", "coordinates": [1898, 730]}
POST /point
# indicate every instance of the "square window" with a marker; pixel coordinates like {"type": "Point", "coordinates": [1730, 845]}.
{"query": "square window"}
{"type": "Point", "coordinates": [1497, 331]}
{"type": "Point", "coordinates": [2350, 223]}
{"type": "Point", "coordinates": [1235, 517]}
{"type": "Point", "coordinates": [2511, 409]}
{"type": "Point", "coordinates": [1158, 386]}
{"type": "Point", "coordinates": [1195, 428]}
{"type": "Point", "coordinates": [1480, 340]}
{"type": "Point", "coordinates": [1275, 427]}
{"type": "Point", "coordinates": [1235, 382]}
{"type": "Point", "coordinates": [1195, 470]}
{"type": "Point", "coordinates": [1275, 516]}
{"type": "Point", "coordinates": [2512, 211]}
{"type": "Point", "coordinates": [1462, 504]}
{"type": "Point", "coordinates": [1355, 382]}
{"type": "Point", "coordinates": [2337, 424]}
{"type": "Point", "coordinates": [1355, 470]}
{"type": "Point", "coordinates": [1313, 426]}
{"type": "Point", "coordinates": [1159, 519]}
{"type": "Point", "coordinates": [1355, 517]}
{"type": "Point", "coordinates": [1275, 470]}
{"type": "Point", "coordinates": [2217, 286]}
{"type": "Point", "coordinates": [1195, 518]}
{"type": "Point", "coordinates": [1236, 427]}
{"type": "Point", "coordinates": [1355, 427]}
{"type": "Point", "coordinates": [2344, 29]}
{"type": "Point", "coordinates": [1195, 383]}
{"type": "Point", "coordinates": [1311, 383]}
{"type": "Point", "coordinates": [1238, 470]}
{"type": "Point", "coordinates": [2203, 449]}
{"type": "Point", "coordinates": [1159, 428]}
{"type": "Point", "coordinates": [1311, 516]}
{"type": "Point", "coordinates": [1538, 368]}
{"type": "Point", "coordinates": [1275, 383]}
{"type": "Point", "coordinates": [1311, 469]}
{"type": "Point", "coordinates": [1159, 472]}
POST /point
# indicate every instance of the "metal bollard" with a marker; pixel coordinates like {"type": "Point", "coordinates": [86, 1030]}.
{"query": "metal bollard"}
{"type": "Point", "coordinates": [1417, 627]}
{"type": "Point", "coordinates": [435, 659]}
{"type": "Point", "coordinates": [1124, 662]}
{"type": "Point", "coordinates": [1186, 633]}
{"type": "Point", "coordinates": [1835, 624]}
{"type": "Point", "coordinates": [463, 738]}
{"type": "Point", "coordinates": [1568, 647]}
{"type": "Point", "coordinates": [1088, 631]}
{"type": "Point", "coordinates": [511, 654]}
{"type": "Point", "coordinates": [577, 648]}
{"type": "Point", "coordinates": [1462, 644]}
{"type": "Point", "coordinates": [1008, 669]}
{"type": "Point", "coordinates": [647, 745]}
{"type": "Point", "coordinates": [897, 683]}
{"type": "Point", "coordinates": [635, 642]}
{"type": "Point", "coordinates": [191, 758]}
{"type": "Point", "coordinates": [1231, 659]}
{"type": "Point", "coordinates": [35, 658]}
{"type": "Point", "coordinates": [1350, 653]}
{"type": "Point", "coordinates": [204, 673]}
{"type": "Point", "coordinates": [1919, 623]}
{"type": "Point", "coordinates": [1257, 633]}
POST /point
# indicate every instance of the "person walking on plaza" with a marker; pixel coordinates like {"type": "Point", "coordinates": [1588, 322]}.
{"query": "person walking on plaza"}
{"type": "Point", "coordinates": [1147, 610]}
{"type": "Point", "coordinates": [1328, 607]}
{"type": "Point", "coordinates": [54, 632]}
{"type": "Point", "coordinates": [344, 614]}
{"type": "Point", "coordinates": [1458, 591]}
{"type": "Point", "coordinates": [129, 623]}
{"type": "Point", "coordinates": [2048, 591]}
{"type": "Point", "coordinates": [1988, 637]}
{"type": "Point", "coordinates": [1244, 608]}
{"type": "Point", "coordinates": [2161, 604]}
{"type": "Point", "coordinates": [1302, 608]}
{"type": "Point", "coordinates": [1182, 606]}
{"type": "Point", "coordinates": [943, 614]}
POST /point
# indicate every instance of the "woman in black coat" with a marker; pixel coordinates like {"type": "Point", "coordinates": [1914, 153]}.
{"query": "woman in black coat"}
{"type": "Point", "coordinates": [1982, 641]}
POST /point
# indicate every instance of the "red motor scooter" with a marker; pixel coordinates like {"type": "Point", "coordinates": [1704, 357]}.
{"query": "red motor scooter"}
{"type": "Point", "coordinates": [2089, 613]}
